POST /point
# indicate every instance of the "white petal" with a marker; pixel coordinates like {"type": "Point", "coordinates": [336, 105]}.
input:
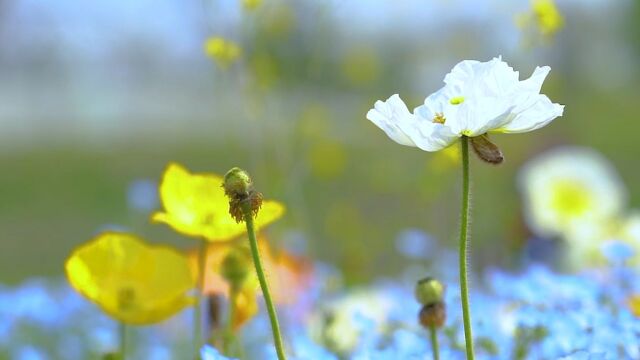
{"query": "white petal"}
{"type": "Point", "coordinates": [430, 136]}
{"type": "Point", "coordinates": [461, 73]}
{"type": "Point", "coordinates": [540, 112]}
{"type": "Point", "coordinates": [478, 115]}
{"type": "Point", "coordinates": [436, 103]}
{"type": "Point", "coordinates": [391, 116]}
{"type": "Point", "coordinates": [433, 136]}
{"type": "Point", "coordinates": [491, 78]}
{"type": "Point", "coordinates": [534, 83]}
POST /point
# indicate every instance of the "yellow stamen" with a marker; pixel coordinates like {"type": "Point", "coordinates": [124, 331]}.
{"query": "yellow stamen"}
{"type": "Point", "coordinates": [456, 100]}
{"type": "Point", "coordinates": [439, 118]}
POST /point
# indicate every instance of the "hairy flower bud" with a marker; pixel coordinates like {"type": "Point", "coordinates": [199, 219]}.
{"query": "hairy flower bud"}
{"type": "Point", "coordinates": [237, 183]}
{"type": "Point", "coordinates": [429, 291]}
{"type": "Point", "coordinates": [242, 196]}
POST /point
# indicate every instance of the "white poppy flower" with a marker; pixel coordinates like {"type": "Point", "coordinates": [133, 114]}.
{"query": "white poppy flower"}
{"type": "Point", "coordinates": [478, 98]}
{"type": "Point", "coordinates": [572, 192]}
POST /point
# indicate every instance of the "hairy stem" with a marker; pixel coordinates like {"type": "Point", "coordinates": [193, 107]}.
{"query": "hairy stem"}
{"type": "Point", "coordinates": [273, 317]}
{"type": "Point", "coordinates": [464, 226]}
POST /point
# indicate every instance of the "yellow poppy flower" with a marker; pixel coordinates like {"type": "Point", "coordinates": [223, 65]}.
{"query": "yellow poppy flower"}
{"type": "Point", "coordinates": [196, 205]}
{"type": "Point", "coordinates": [133, 282]}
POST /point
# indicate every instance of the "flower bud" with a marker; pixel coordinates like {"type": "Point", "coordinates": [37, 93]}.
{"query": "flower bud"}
{"type": "Point", "coordinates": [236, 266]}
{"type": "Point", "coordinates": [486, 150]}
{"type": "Point", "coordinates": [433, 315]}
{"type": "Point", "coordinates": [243, 199]}
{"type": "Point", "coordinates": [237, 183]}
{"type": "Point", "coordinates": [429, 291]}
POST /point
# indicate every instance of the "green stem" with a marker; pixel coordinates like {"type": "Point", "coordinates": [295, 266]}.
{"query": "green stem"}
{"type": "Point", "coordinates": [197, 307]}
{"type": "Point", "coordinates": [273, 317]}
{"type": "Point", "coordinates": [229, 337]}
{"type": "Point", "coordinates": [464, 225]}
{"type": "Point", "coordinates": [435, 349]}
{"type": "Point", "coordinates": [122, 331]}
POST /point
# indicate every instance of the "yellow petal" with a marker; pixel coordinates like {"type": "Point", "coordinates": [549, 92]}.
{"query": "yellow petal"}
{"type": "Point", "coordinates": [134, 282]}
{"type": "Point", "coordinates": [196, 205]}
{"type": "Point", "coordinates": [634, 305]}
{"type": "Point", "coordinates": [246, 306]}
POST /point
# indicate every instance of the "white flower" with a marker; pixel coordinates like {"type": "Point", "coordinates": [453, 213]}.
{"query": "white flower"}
{"type": "Point", "coordinates": [478, 98]}
{"type": "Point", "coordinates": [571, 192]}
{"type": "Point", "coordinates": [350, 317]}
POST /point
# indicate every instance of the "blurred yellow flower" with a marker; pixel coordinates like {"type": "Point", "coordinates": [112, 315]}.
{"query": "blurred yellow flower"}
{"type": "Point", "coordinates": [196, 205]}
{"type": "Point", "coordinates": [223, 52]}
{"type": "Point", "coordinates": [572, 193]}
{"type": "Point", "coordinates": [543, 18]}
{"type": "Point", "coordinates": [547, 16]}
{"type": "Point", "coordinates": [133, 282]}
{"type": "Point", "coordinates": [251, 4]}
{"type": "Point", "coordinates": [634, 304]}
{"type": "Point", "coordinates": [289, 277]}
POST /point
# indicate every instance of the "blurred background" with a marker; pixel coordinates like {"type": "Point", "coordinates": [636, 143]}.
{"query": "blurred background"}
{"type": "Point", "coordinates": [97, 97]}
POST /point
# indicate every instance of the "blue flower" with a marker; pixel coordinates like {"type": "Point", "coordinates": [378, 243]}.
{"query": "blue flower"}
{"type": "Point", "coordinates": [208, 352]}
{"type": "Point", "coordinates": [415, 244]}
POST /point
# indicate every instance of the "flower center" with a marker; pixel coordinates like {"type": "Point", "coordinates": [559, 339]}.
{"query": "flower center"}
{"type": "Point", "coordinates": [571, 199]}
{"type": "Point", "coordinates": [439, 118]}
{"type": "Point", "coordinates": [126, 298]}
{"type": "Point", "coordinates": [456, 100]}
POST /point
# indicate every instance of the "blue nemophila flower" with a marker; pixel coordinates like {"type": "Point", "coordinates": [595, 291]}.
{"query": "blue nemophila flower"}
{"type": "Point", "coordinates": [415, 244]}
{"type": "Point", "coordinates": [142, 195]}
{"type": "Point", "coordinates": [617, 252]}
{"type": "Point", "coordinates": [208, 352]}
{"type": "Point", "coordinates": [535, 313]}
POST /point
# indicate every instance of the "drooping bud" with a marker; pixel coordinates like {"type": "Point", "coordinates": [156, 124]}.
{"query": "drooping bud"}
{"type": "Point", "coordinates": [236, 266]}
{"type": "Point", "coordinates": [429, 291]}
{"type": "Point", "coordinates": [486, 150]}
{"type": "Point", "coordinates": [433, 315]}
{"type": "Point", "coordinates": [242, 196]}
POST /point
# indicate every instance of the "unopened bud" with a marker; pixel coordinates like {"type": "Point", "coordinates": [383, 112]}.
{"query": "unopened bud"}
{"type": "Point", "coordinates": [486, 150]}
{"type": "Point", "coordinates": [236, 266]}
{"type": "Point", "coordinates": [433, 315]}
{"type": "Point", "coordinates": [429, 291]}
{"type": "Point", "coordinates": [237, 183]}
{"type": "Point", "coordinates": [243, 199]}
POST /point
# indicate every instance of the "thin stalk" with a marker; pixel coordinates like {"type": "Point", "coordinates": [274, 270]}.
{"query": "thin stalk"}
{"type": "Point", "coordinates": [435, 349]}
{"type": "Point", "coordinates": [273, 317]}
{"type": "Point", "coordinates": [229, 337]}
{"type": "Point", "coordinates": [464, 226]}
{"type": "Point", "coordinates": [122, 332]}
{"type": "Point", "coordinates": [197, 307]}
